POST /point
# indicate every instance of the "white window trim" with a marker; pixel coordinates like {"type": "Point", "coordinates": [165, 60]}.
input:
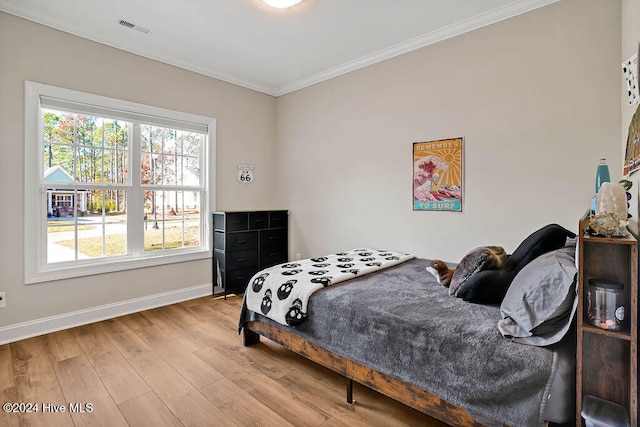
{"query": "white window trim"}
{"type": "Point", "coordinates": [36, 269]}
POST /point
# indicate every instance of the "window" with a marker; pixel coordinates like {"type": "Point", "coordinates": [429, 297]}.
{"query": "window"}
{"type": "Point", "coordinates": [112, 185]}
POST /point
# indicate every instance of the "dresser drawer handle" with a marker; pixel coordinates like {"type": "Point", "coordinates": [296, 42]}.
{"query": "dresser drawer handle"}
{"type": "Point", "coordinates": [242, 259]}
{"type": "Point", "coordinates": [240, 242]}
{"type": "Point", "coordinates": [273, 238]}
{"type": "Point", "coordinates": [242, 277]}
{"type": "Point", "coordinates": [273, 254]}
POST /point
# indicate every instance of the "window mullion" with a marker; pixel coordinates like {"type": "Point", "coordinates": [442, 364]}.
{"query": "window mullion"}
{"type": "Point", "coordinates": [135, 211]}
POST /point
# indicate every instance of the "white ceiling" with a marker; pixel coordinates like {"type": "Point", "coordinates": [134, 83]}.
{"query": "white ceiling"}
{"type": "Point", "coordinates": [275, 51]}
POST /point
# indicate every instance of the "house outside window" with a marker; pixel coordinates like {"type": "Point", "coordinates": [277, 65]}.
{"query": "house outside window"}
{"type": "Point", "coordinates": [60, 202]}
{"type": "Point", "coordinates": [112, 185]}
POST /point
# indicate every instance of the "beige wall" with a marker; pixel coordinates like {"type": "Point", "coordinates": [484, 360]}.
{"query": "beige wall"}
{"type": "Point", "coordinates": [630, 41]}
{"type": "Point", "coordinates": [245, 133]}
{"type": "Point", "coordinates": [536, 98]}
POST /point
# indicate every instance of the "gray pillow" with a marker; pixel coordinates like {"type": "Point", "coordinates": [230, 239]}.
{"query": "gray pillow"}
{"type": "Point", "coordinates": [541, 301]}
{"type": "Point", "coordinates": [479, 259]}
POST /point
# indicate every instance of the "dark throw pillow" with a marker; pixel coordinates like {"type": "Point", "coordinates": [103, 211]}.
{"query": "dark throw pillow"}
{"type": "Point", "coordinates": [547, 239]}
{"type": "Point", "coordinates": [490, 286]}
{"type": "Point", "coordinates": [479, 259]}
{"type": "Point", "coordinates": [487, 287]}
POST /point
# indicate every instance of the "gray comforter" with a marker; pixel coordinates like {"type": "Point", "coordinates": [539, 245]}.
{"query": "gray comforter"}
{"type": "Point", "coordinates": [402, 323]}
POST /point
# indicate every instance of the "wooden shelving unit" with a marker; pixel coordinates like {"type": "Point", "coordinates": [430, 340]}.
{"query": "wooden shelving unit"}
{"type": "Point", "coordinates": [607, 361]}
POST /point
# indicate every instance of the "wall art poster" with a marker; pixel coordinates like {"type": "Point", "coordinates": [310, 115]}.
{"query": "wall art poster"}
{"type": "Point", "coordinates": [437, 175]}
{"type": "Point", "coordinates": [632, 153]}
{"type": "Point", "coordinates": [630, 72]}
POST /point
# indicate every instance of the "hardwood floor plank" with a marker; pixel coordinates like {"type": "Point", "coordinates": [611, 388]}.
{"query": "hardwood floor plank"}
{"type": "Point", "coordinates": [187, 364]}
{"type": "Point", "coordinates": [320, 395]}
{"type": "Point", "coordinates": [184, 401]}
{"type": "Point", "coordinates": [230, 344]}
{"type": "Point", "coordinates": [9, 394]}
{"type": "Point", "coordinates": [128, 343]}
{"type": "Point", "coordinates": [364, 397]}
{"type": "Point", "coordinates": [195, 301]}
{"type": "Point", "coordinates": [399, 411]}
{"type": "Point", "coordinates": [135, 321]}
{"type": "Point", "coordinates": [36, 383]}
{"type": "Point", "coordinates": [192, 338]}
{"type": "Point", "coordinates": [91, 328]}
{"type": "Point", "coordinates": [47, 419]}
{"type": "Point", "coordinates": [33, 371]}
{"type": "Point", "coordinates": [180, 315]}
{"type": "Point", "coordinates": [6, 367]}
{"type": "Point", "coordinates": [264, 388]}
{"type": "Point", "coordinates": [333, 402]}
{"type": "Point", "coordinates": [62, 345]}
{"type": "Point", "coordinates": [148, 410]}
{"type": "Point", "coordinates": [114, 326]}
{"type": "Point", "coordinates": [273, 350]}
{"type": "Point", "coordinates": [242, 408]}
{"type": "Point", "coordinates": [229, 309]}
{"type": "Point", "coordinates": [203, 311]}
{"type": "Point", "coordinates": [275, 367]}
{"type": "Point", "coordinates": [81, 386]}
{"type": "Point", "coordinates": [117, 375]}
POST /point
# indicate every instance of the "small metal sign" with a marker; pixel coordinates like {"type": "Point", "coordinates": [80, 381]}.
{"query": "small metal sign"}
{"type": "Point", "coordinates": [245, 173]}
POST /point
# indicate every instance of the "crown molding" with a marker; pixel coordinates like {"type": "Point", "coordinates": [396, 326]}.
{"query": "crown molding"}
{"type": "Point", "coordinates": [15, 8]}
{"type": "Point", "coordinates": [479, 21]}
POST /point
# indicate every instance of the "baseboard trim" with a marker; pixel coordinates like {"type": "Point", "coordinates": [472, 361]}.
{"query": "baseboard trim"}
{"type": "Point", "coordinates": [45, 325]}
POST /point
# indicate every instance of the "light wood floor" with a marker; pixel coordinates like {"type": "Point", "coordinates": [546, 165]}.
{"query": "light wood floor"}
{"type": "Point", "coordinates": [180, 365]}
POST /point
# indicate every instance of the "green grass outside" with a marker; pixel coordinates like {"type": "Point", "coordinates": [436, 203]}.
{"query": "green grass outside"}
{"type": "Point", "coordinates": [116, 244]}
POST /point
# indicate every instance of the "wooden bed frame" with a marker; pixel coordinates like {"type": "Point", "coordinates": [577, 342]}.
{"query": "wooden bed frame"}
{"type": "Point", "coordinates": [408, 394]}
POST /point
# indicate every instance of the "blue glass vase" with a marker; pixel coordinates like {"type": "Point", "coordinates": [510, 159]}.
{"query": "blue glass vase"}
{"type": "Point", "coordinates": [602, 176]}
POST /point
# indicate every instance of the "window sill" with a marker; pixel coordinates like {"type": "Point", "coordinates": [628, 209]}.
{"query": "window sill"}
{"type": "Point", "coordinates": [61, 271]}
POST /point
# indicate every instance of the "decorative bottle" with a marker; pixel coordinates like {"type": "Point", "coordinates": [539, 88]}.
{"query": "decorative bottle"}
{"type": "Point", "coordinates": [602, 176]}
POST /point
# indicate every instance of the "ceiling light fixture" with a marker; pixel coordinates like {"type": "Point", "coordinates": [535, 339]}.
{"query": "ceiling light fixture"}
{"type": "Point", "coordinates": [282, 4]}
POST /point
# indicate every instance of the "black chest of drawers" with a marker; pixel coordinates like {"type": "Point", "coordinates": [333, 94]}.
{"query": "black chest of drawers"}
{"type": "Point", "coordinates": [245, 243]}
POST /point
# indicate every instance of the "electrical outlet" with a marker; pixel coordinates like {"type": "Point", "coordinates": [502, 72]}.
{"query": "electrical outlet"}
{"type": "Point", "coordinates": [3, 299]}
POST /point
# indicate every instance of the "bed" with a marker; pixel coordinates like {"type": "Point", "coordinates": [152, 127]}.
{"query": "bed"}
{"type": "Point", "coordinates": [399, 332]}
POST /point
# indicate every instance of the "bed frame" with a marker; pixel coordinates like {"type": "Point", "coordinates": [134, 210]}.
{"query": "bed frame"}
{"type": "Point", "coordinates": [408, 394]}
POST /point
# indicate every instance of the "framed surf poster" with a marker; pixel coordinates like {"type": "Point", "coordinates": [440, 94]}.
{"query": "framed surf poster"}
{"type": "Point", "coordinates": [438, 175]}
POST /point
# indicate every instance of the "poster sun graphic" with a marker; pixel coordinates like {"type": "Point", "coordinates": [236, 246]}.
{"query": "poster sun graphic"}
{"type": "Point", "coordinates": [438, 175]}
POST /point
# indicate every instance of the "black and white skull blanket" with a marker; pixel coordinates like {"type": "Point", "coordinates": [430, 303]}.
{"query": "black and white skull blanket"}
{"type": "Point", "coordinates": [281, 292]}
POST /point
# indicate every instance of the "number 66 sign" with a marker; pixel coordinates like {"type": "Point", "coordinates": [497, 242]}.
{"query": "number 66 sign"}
{"type": "Point", "coordinates": [245, 173]}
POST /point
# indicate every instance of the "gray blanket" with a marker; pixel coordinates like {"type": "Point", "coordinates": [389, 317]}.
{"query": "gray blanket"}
{"type": "Point", "coordinates": [402, 323]}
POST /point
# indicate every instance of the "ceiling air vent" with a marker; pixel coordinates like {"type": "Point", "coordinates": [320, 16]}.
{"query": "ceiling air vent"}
{"type": "Point", "coordinates": [134, 26]}
{"type": "Point", "coordinates": [126, 24]}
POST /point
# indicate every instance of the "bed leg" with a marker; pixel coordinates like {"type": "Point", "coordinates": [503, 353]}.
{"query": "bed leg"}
{"type": "Point", "coordinates": [349, 391]}
{"type": "Point", "coordinates": [249, 337]}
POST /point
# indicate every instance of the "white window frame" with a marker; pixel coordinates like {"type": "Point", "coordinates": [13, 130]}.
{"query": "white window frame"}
{"type": "Point", "coordinates": [36, 267]}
